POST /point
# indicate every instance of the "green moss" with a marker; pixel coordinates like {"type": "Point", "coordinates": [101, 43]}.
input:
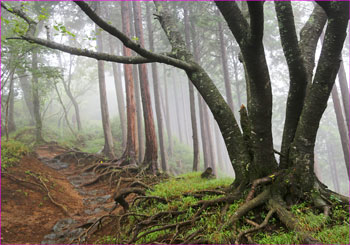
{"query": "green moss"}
{"type": "Point", "coordinates": [187, 183]}
{"type": "Point", "coordinates": [11, 152]}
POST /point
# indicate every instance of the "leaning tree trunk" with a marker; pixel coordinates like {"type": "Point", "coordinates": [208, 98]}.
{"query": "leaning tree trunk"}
{"type": "Point", "coordinates": [156, 95]}
{"type": "Point", "coordinates": [151, 151]}
{"type": "Point", "coordinates": [108, 145]}
{"type": "Point", "coordinates": [177, 106]}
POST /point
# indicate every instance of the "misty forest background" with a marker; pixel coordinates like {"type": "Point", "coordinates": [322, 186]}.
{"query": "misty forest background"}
{"type": "Point", "coordinates": [67, 84]}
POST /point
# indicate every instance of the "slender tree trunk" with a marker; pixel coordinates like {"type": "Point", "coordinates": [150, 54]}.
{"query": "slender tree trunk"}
{"type": "Point", "coordinates": [168, 122]}
{"type": "Point", "coordinates": [67, 88]}
{"type": "Point", "coordinates": [131, 145]}
{"type": "Point", "coordinates": [27, 94]}
{"type": "Point", "coordinates": [36, 100]}
{"type": "Point", "coordinates": [151, 151]}
{"type": "Point", "coordinates": [209, 132]}
{"type": "Point", "coordinates": [178, 114]}
{"type": "Point", "coordinates": [204, 137]}
{"type": "Point", "coordinates": [344, 89]}
{"type": "Point", "coordinates": [11, 120]}
{"type": "Point", "coordinates": [119, 92]}
{"type": "Point", "coordinates": [108, 146]}
{"type": "Point", "coordinates": [341, 126]}
{"type": "Point", "coordinates": [65, 112]}
{"type": "Point", "coordinates": [238, 91]}
{"type": "Point", "coordinates": [333, 167]}
{"type": "Point", "coordinates": [135, 73]}
{"type": "Point", "coordinates": [7, 106]}
{"type": "Point", "coordinates": [185, 106]}
{"type": "Point", "coordinates": [225, 67]}
{"type": "Point", "coordinates": [192, 99]}
{"type": "Point", "coordinates": [156, 94]}
{"type": "Point", "coordinates": [219, 151]}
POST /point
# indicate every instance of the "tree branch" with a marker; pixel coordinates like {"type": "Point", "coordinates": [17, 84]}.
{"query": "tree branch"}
{"type": "Point", "coordinates": [128, 42]}
{"type": "Point", "coordinates": [297, 75]}
{"type": "Point", "coordinates": [235, 19]}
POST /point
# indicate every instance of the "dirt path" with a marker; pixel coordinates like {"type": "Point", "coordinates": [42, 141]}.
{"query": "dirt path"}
{"type": "Point", "coordinates": [28, 216]}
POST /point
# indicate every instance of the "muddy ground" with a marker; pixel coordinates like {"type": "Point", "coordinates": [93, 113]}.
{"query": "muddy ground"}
{"type": "Point", "coordinates": [59, 213]}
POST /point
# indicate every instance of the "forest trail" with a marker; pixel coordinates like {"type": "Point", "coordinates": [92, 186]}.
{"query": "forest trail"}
{"type": "Point", "coordinates": [30, 215]}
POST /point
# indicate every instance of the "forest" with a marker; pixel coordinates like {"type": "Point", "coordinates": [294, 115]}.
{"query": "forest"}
{"type": "Point", "coordinates": [174, 122]}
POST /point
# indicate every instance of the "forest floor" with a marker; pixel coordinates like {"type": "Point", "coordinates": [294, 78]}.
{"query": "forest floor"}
{"type": "Point", "coordinates": [54, 196]}
{"type": "Point", "coordinates": [42, 200]}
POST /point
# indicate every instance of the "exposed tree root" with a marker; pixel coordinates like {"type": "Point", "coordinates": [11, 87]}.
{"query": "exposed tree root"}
{"type": "Point", "coordinates": [258, 227]}
{"type": "Point", "coordinates": [291, 223]}
{"type": "Point", "coordinates": [120, 195]}
{"type": "Point", "coordinates": [164, 227]}
{"type": "Point", "coordinates": [246, 207]}
{"type": "Point", "coordinates": [160, 199]}
{"type": "Point", "coordinates": [260, 181]}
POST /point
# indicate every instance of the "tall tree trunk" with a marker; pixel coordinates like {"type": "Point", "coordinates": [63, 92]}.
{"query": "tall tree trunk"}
{"type": "Point", "coordinates": [67, 88]}
{"type": "Point", "coordinates": [8, 105]}
{"type": "Point", "coordinates": [344, 89]}
{"type": "Point", "coordinates": [192, 99]}
{"type": "Point", "coordinates": [341, 126]}
{"type": "Point", "coordinates": [204, 136]}
{"type": "Point", "coordinates": [184, 112]}
{"type": "Point", "coordinates": [156, 94]}
{"type": "Point", "coordinates": [151, 151]}
{"type": "Point", "coordinates": [332, 166]}
{"type": "Point", "coordinates": [108, 146]}
{"type": "Point", "coordinates": [209, 132]}
{"type": "Point", "coordinates": [168, 120]}
{"type": "Point", "coordinates": [36, 99]}
{"type": "Point", "coordinates": [131, 145]}
{"type": "Point", "coordinates": [178, 114]}
{"type": "Point", "coordinates": [225, 67]}
{"type": "Point", "coordinates": [27, 94]}
{"type": "Point", "coordinates": [135, 73]}
{"type": "Point", "coordinates": [119, 92]}
{"type": "Point", "coordinates": [11, 120]}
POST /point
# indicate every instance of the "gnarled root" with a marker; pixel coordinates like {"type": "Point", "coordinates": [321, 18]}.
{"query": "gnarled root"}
{"type": "Point", "coordinates": [291, 223]}
{"type": "Point", "coordinates": [258, 227]}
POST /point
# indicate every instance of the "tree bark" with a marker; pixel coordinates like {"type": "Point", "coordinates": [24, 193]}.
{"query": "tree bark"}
{"type": "Point", "coordinates": [344, 138]}
{"type": "Point", "coordinates": [151, 151]}
{"type": "Point", "coordinates": [119, 92]}
{"type": "Point", "coordinates": [27, 94]}
{"type": "Point", "coordinates": [11, 120]}
{"type": "Point", "coordinates": [168, 120]}
{"type": "Point", "coordinates": [36, 100]}
{"type": "Point", "coordinates": [333, 167]}
{"type": "Point", "coordinates": [344, 89]}
{"type": "Point", "coordinates": [192, 99]}
{"type": "Point", "coordinates": [108, 145]}
{"type": "Point", "coordinates": [157, 100]}
{"type": "Point", "coordinates": [178, 114]}
{"type": "Point", "coordinates": [139, 109]}
{"type": "Point", "coordinates": [131, 145]}
{"type": "Point", "coordinates": [225, 67]}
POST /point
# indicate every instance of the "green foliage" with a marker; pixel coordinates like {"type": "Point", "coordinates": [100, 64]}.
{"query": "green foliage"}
{"type": "Point", "coordinates": [277, 238]}
{"type": "Point", "coordinates": [11, 153]}
{"type": "Point", "coordinates": [338, 234]}
{"type": "Point", "coordinates": [186, 183]}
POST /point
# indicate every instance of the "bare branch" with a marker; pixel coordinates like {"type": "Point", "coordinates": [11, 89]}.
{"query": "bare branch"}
{"type": "Point", "coordinates": [128, 42]}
